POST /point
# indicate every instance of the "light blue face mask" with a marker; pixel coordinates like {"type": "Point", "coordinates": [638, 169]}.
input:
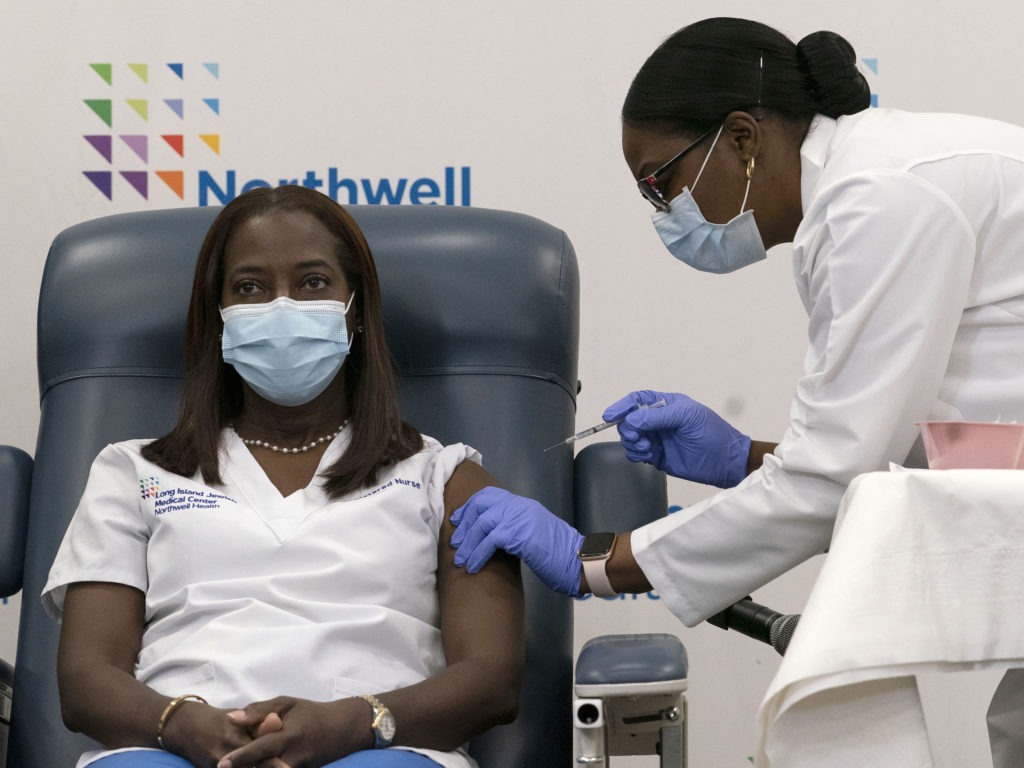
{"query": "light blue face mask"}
{"type": "Point", "coordinates": [709, 247]}
{"type": "Point", "coordinates": [287, 351]}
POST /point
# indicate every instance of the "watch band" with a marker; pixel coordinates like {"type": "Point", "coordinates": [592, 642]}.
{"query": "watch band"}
{"type": "Point", "coordinates": [595, 569]}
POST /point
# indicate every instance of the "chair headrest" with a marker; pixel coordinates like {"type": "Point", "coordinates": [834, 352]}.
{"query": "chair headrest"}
{"type": "Point", "coordinates": [425, 256]}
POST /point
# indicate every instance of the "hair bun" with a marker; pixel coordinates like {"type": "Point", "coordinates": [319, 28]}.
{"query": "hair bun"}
{"type": "Point", "coordinates": [830, 64]}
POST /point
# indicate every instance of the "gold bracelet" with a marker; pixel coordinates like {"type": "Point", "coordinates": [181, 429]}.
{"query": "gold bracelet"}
{"type": "Point", "coordinates": [169, 710]}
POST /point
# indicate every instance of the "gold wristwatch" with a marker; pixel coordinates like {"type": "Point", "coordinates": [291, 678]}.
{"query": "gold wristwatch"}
{"type": "Point", "coordinates": [383, 724]}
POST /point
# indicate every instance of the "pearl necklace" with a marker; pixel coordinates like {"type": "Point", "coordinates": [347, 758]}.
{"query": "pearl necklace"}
{"type": "Point", "coordinates": [301, 449]}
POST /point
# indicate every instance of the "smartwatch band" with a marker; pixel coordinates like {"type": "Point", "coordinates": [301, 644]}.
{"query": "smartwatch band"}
{"type": "Point", "coordinates": [597, 578]}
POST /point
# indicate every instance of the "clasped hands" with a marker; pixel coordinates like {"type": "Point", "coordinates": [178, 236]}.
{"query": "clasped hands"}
{"type": "Point", "coordinates": [284, 732]}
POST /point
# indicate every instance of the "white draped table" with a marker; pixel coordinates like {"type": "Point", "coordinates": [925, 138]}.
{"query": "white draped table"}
{"type": "Point", "coordinates": [925, 574]}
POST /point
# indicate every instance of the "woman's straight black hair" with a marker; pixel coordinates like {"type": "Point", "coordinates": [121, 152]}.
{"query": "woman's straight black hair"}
{"type": "Point", "coordinates": [212, 391]}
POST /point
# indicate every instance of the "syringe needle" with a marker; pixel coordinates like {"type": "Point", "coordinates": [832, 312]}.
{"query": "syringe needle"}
{"type": "Point", "coordinates": [602, 426]}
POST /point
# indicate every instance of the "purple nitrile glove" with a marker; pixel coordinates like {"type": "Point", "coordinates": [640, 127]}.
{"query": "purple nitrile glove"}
{"type": "Point", "coordinates": [495, 519]}
{"type": "Point", "coordinates": [683, 437]}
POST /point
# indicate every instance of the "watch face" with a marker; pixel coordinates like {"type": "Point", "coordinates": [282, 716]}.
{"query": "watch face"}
{"type": "Point", "coordinates": [597, 545]}
{"type": "Point", "coordinates": [386, 726]}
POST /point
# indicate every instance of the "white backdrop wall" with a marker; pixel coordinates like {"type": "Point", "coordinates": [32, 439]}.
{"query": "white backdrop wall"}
{"type": "Point", "coordinates": [498, 105]}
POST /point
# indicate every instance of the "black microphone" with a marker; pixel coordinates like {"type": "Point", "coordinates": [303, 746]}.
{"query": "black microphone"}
{"type": "Point", "coordinates": [761, 623]}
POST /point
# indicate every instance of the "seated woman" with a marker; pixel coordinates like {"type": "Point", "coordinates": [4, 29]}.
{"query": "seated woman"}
{"type": "Point", "coordinates": [271, 583]}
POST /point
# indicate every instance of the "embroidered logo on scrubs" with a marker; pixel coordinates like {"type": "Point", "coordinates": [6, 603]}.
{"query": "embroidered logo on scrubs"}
{"type": "Point", "coordinates": [179, 499]}
{"type": "Point", "coordinates": [149, 487]}
{"type": "Point", "coordinates": [391, 484]}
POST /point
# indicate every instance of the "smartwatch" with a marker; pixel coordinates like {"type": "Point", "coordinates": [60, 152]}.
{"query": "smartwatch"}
{"type": "Point", "coordinates": [383, 725]}
{"type": "Point", "coordinates": [595, 552]}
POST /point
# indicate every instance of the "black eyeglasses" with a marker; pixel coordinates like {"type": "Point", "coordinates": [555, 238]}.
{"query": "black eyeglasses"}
{"type": "Point", "coordinates": [648, 184]}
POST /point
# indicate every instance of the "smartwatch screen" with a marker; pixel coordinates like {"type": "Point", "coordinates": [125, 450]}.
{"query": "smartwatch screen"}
{"type": "Point", "coordinates": [597, 544]}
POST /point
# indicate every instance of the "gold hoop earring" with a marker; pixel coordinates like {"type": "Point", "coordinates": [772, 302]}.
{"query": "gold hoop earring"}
{"type": "Point", "coordinates": [750, 169]}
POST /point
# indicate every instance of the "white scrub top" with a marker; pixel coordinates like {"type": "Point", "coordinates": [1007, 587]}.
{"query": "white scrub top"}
{"type": "Point", "coordinates": [910, 262]}
{"type": "Point", "coordinates": [251, 595]}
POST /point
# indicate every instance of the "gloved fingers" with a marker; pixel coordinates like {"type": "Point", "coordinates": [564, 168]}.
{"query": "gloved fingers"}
{"type": "Point", "coordinates": [657, 457]}
{"type": "Point", "coordinates": [632, 439]}
{"type": "Point", "coordinates": [632, 401]}
{"type": "Point", "coordinates": [641, 450]}
{"type": "Point", "coordinates": [627, 434]}
{"type": "Point", "coordinates": [483, 551]}
{"type": "Point", "coordinates": [620, 407]}
{"type": "Point", "coordinates": [479, 502]}
{"type": "Point", "coordinates": [652, 396]}
{"type": "Point", "coordinates": [472, 536]}
{"type": "Point", "coordinates": [464, 526]}
{"type": "Point", "coordinates": [680, 411]}
{"type": "Point", "coordinates": [638, 457]}
{"type": "Point", "coordinates": [487, 510]}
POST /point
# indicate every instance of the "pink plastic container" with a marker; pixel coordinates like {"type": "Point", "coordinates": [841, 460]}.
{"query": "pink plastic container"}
{"type": "Point", "coordinates": [973, 445]}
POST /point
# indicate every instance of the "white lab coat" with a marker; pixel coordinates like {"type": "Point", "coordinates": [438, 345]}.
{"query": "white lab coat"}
{"type": "Point", "coordinates": [910, 262]}
{"type": "Point", "coordinates": [251, 595]}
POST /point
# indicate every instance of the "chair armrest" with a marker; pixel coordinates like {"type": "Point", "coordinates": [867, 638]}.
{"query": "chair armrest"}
{"type": "Point", "coordinates": [6, 699]}
{"type": "Point", "coordinates": [6, 692]}
{"type": "Point", "coordinates": [631, 665]}
{"type": "Point", "coordinates": [15, 489]}
{"type": "Point", "coordinates": [615, 494]}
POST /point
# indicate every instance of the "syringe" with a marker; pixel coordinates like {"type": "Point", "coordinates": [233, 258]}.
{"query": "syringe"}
{"type": "Point", "coordinates": [603, 425]}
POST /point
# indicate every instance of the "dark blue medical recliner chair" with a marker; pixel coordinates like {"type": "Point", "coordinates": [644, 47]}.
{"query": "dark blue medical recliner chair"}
{"type": "Point", "coordinates": [481, 310]}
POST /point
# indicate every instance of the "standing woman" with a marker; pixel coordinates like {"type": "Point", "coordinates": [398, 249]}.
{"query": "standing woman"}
{"type": "Point", "coordinates": [908, 254]}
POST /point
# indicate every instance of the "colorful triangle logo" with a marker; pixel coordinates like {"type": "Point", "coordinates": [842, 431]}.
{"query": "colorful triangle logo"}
{"type": "Point", "coordinates": [103, 181]}
{"type": "Point", "coordinates": [176, 142]}
{"type": "Point", "coordinates": [141, 70]}
{"type": "Point", "coordinates": [175, 180]}
{"type": "Point", "coordinates": [106, 71]}
{"type": "Point", "coordinates": [139, 181]}
{"type": "Point", "coordinates": [212, 140]}
{"type": "Point", "coordinates": [103, 144]}
{"type": "Point", "coordinates": [103, 108]}
{"type": "Point", "coordinates": [141, 107]}
{"type": "Point", "coordinates": [139, 144]}
{"type": "Point", "coordinates": [177, 106]}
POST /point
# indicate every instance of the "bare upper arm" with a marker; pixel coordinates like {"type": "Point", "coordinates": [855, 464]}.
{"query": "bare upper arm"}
{"type": "Point", "coordinates": [101, 624]}
{"type": "Point", "coordinates": [482, 613]}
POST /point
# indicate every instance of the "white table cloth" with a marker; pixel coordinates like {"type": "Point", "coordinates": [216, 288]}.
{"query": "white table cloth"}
{"type": "Point", "coordinates": [925, 573]}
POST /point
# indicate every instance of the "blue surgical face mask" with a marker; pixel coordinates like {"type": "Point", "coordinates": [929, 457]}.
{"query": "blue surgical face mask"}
{"type": "Point", "coordinates": [287, 351]}
{"type": "Point", "coordinates": [709, 247]}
